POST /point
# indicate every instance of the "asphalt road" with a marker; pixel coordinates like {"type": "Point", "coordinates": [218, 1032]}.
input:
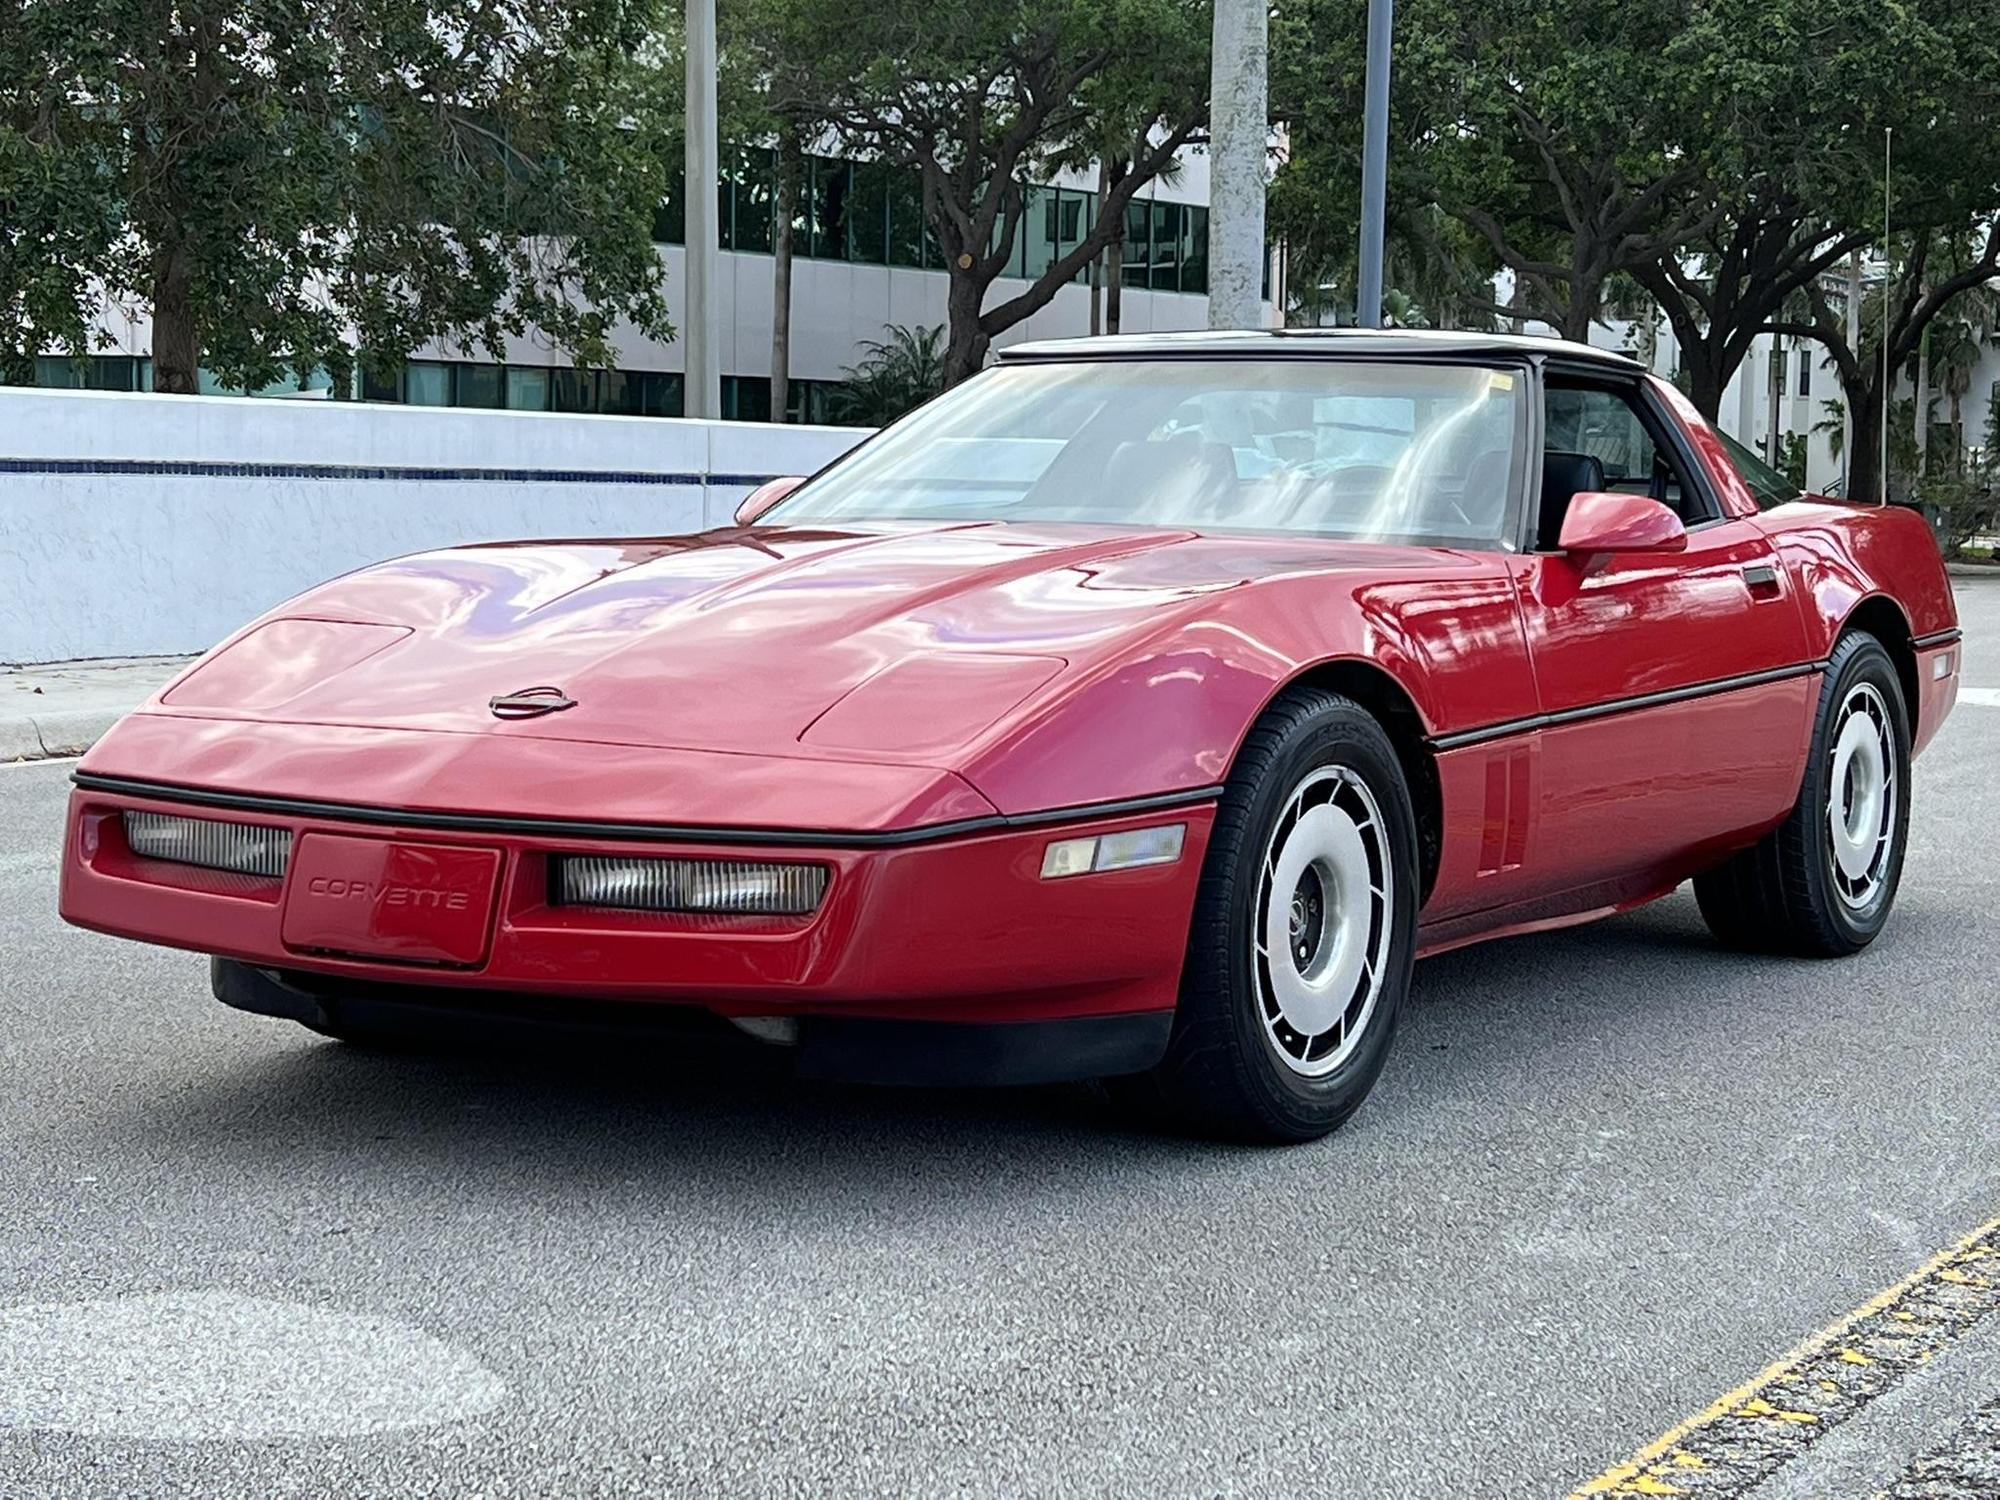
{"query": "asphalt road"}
{"type": "Point", "coordinates": [1607, 1175]}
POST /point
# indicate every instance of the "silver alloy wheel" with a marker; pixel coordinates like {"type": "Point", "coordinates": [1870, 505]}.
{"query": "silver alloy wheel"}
{"type": "Point", "coordinates": [1322, 921]}
{"type": "Point", "coordinates": [1861, 797]}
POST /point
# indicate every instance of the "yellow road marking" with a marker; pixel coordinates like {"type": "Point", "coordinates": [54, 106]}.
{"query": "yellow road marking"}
{"type": "Point", "coordinates": [1947, 1298]}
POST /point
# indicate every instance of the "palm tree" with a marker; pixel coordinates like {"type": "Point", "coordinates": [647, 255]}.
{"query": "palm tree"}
{"type": "Point", "coordinates": [1956, 343]}
{"type": "Point", "coordinates": [894, 375]}
{"type": "Point", "coordinates": [1833, 424]}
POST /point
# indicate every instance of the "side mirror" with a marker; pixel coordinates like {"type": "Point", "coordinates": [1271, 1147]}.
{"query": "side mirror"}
{"type": "Point", "coordinates": [766, 495]}
{"type": "Point", "coordinates": [1606, 521]}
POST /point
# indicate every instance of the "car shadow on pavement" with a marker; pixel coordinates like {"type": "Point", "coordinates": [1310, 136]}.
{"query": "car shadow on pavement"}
{"type": "Point", "coordinates": [592, 1105]}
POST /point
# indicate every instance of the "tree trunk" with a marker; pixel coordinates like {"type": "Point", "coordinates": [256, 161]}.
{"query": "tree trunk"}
{"type": "Point", "coordinates": [1853, 342]}
{"type": "Point", "coordinates": [1097, 261]}
{"type": "Point", "coordinates": [966, 342]}
{"type": "Point", "coordinates": [1706, 382]}
{"type": "Point", "coordinates": [1114, 280]}
{"type": "Point", "coordinates": [1864, 442]}
{"type": "Point", "coordinates": [176, 340]}
{"type": "Point", "coordinates": [1922, 420]}
{"type": "Point", "coordinates": [1774, 370]}
{"type": "Point", "coordinates": [782, 194]}
{"type": "Point", "coordinates": [1581, 313]}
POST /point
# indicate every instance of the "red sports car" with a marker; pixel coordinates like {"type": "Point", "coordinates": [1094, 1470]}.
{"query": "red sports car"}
{"type": "Point", "coordinates": [1143, 707]}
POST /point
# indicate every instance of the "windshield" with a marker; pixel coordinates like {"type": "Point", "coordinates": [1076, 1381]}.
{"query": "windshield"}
{"type": "Point", "coordinates": [1376, 450]}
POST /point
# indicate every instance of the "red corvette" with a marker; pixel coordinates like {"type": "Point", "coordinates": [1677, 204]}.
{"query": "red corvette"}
{"type": "Point", "coordinates": [1141, 708]}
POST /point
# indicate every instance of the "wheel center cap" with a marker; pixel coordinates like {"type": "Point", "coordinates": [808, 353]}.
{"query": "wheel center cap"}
{"type": "Point", "coordinates": [1308, 921]}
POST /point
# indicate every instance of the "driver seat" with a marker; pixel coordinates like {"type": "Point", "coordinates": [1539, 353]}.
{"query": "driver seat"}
{"type": "Point", "coordinates": [1564, 477]}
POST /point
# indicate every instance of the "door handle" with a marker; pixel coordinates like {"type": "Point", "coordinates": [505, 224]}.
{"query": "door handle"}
{"type": "Point", "coordinates": [1763, 580]}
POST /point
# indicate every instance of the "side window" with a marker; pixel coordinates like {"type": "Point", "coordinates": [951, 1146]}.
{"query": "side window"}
{"type": "Point", "coordinates": [1605, 424]}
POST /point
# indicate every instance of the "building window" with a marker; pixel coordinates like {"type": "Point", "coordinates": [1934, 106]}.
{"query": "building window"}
{"type": "Point", "coordinates": [527, 388]}
{"type": "Point", "coordinates": [749, 176]}
{"type": "Point", "coordinates": [868, 212]}
{"type": "Point", "coordinates": [1138, 243]}
{"type": "Point", "coordinates": [832, 181]}
{"type": "Point", "coordinates": [1805, 372]}
{"type": "Point", "coordinates": [480, 385]}
{"type": "Point", "coordinates": [94, 372]}
{"type": "Point", "coordinates": [1194, 250]}
{"type": "Point", "coordinates": [872, 213]}
{"type": "Point", "coordinates": [427, 383]}
{"type": "Point", "coordinates": [1076, 216]}
{"type": "Point", "coordinates": [1166, 247]}
{"type": "Point", "coordinates": [809, 400]}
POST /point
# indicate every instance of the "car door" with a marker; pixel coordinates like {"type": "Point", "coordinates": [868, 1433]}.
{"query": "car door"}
{"type": "Point", "coordinates": [1674, 688]}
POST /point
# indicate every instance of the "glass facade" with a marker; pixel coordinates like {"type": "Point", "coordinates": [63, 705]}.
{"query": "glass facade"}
{"type": "Point", "coordinates": [618, 393]}
{"type": "Point", "coordinates": [872, 214]}
{"type": "Point", "coordinates": [94, 372]}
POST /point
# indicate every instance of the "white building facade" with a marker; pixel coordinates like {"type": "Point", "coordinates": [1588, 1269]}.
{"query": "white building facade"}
{"type": "Point", "coordinates": [863, 262]}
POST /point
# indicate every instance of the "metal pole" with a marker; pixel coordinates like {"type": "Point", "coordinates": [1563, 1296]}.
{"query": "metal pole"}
{"type": "Point", "coordinates": [1239, 131]}
{"type": "Point", "coordinates": [702, 317]}
{"type": "Point", "coordinates": [1854, 343]}
{"type": "Point", "coordinates": [1888, 296]}
{"type": "Point", "coordinates": [1374, 164]}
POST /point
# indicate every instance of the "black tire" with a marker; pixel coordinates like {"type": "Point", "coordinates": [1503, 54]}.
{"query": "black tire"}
{"type": "Point", "coordinates": [1222, 1074]}
{"type": "Point", "coordinates": [1787, 893]}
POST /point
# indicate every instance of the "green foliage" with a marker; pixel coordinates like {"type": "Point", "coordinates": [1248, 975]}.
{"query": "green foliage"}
{"type": "Point", "coordinates": [281, 181]}
{"type": "Point", "coordinates": [985, 99]}
{"type": "Point", "coordinates": [896, 374]}
{"type": "Point", "coordinates": [1547, 132]}
{"type": "Point", "coordinates": [1961, 505]}
{"type": "Point", "coordinates": [1792, 458]}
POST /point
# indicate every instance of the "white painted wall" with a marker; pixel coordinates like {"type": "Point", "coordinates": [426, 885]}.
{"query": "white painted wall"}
{"type": "Point", "coordinates": [141, 563]}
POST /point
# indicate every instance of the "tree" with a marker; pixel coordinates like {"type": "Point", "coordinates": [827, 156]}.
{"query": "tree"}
{"type": "Point", "coordinates": [1791, 163]}
{"type": "Point", "coordinates": [895, 375]}
{"type": "Point", "coordinates": [291, 181]}
{"type": "Point", "coordinates": [1955, 347]}
{"type": "Point", "coordinates": [1551, 133]}
{"type": "Point", "coordinates": [1933, 275]}
{"type": "Point", "coordinates": [769, 93]}
{"type": "Point", "coordinates": [985, 99]}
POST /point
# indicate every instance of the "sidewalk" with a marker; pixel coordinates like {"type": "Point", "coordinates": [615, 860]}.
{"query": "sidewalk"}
{"type": "Point", "coordinates": [61, 707]}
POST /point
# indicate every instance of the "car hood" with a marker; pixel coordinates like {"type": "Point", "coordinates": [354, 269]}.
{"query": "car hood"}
{"type": "Point", "coordinates": [748, 640]}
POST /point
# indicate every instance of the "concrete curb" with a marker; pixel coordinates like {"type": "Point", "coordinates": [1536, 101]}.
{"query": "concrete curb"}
{"type": "Point", "coordinates": [58, 734]}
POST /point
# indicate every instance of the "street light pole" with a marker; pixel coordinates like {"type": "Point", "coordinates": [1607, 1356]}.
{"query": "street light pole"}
{"type": "Point", "coordinates": [1239, 130]}
{"type": "Point", "coordinates": [701, 319]}
{"type": "Point", "coordinates": [1374, 164]}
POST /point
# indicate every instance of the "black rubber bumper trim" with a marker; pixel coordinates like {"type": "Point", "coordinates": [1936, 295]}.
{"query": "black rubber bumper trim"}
{"type": "Point", "coordinates": [1937, 638]}
{"type": "Point", "coordinates": [935, 1054]}
{"type": "Point", "coordinates": [947, 1054]}
{"type": "Point", "coordinates": [791, 838]}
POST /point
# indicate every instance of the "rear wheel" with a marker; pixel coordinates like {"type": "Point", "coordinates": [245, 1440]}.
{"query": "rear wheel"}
{"type": "Point", "coordinates": [1300, 950]}
{"type": "Point", "coordinates": [1822, 883]}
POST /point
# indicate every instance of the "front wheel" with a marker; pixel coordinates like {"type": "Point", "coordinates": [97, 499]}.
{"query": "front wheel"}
{"type": "Point", "coordinates": [1822, 883]}
{"type": "Point", "coordinates": [1300, 950]}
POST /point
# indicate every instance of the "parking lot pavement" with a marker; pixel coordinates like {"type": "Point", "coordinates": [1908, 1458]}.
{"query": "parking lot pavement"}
{"type": "Point", "coordinates": [1608, 1176]}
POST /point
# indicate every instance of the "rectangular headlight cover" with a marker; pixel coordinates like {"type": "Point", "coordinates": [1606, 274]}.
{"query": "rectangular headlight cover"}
{"type": "Point", "coordinates": [213, 843]}
{"type": "Point", "coordinates": [718, 887]}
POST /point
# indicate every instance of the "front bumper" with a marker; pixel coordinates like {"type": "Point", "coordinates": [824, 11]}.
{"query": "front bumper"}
{"type": "Point", "coordinates": [961, 928]}
{"type": "Point", "coordinates": [854, 1049]}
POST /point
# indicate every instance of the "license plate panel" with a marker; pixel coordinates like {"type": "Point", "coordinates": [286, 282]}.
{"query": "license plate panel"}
{"type": "Point", "coordinates": [379, 898]}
